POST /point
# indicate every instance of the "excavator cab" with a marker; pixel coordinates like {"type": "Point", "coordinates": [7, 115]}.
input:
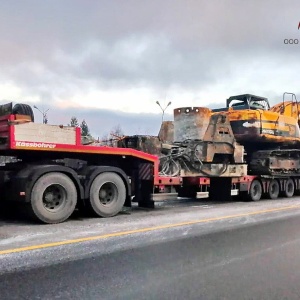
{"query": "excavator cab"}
{"type": "Point", "coordinates": [245, 101]}
{"type": "Point", "coordinates": [248, 101]}
{"type": "Point", "coordinates": [253, 121]}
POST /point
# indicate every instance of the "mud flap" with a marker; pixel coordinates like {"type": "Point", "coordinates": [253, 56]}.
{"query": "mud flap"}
{"type": "Point", "coordinates": [144, 184]}
{"type": "Point", "coordinates": [144, 194]}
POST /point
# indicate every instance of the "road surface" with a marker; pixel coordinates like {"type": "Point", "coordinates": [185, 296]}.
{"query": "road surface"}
{"type": "Point", "coordinates": [205, 251]}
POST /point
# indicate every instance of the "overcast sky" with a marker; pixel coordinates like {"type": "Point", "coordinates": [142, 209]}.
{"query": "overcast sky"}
{"type": "Point", "coordinates": [108, 62]}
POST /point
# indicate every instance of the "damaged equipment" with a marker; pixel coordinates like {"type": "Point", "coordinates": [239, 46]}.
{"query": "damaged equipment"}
{"type": "Point", "coordinates": [204, 144]}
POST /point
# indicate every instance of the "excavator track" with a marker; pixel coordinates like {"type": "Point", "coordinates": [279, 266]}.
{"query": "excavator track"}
{"type": "Point", "coordinates": [275, 162]}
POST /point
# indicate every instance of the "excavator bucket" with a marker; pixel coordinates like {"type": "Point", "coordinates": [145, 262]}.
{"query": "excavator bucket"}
{"type": "Point", "coordinates": [190, 123]}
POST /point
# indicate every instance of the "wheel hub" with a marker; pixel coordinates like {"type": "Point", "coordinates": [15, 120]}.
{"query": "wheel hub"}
{"type": "Point", "coordinates": [108, 193]}
{"type": "Point", "coordinates": [102, 193]}
{"type": "Point", "coordinates": [49, 198]}
{"type": "Point", "coordinates": [54, 197]}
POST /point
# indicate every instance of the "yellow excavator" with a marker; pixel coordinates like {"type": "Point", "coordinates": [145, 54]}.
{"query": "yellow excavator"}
{"type": "Point", "coordinates": [253, 120]}
{"type": "Point", "coordinates": [270, 135]}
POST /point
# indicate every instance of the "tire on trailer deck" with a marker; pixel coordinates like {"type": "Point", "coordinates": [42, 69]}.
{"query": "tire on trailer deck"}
{"type": "Point", "coordinates": [273, 190]}
{"type": "Point", "coordinates": [289, 188]}
{"type": "Point", "coordinates": [53, 198]}
{"type": "Point", "coordinates": [23, 109]}
{"type": "Point", "coordinates": [255, 191]}
{"type": "Point", "coordinates": [107, 195]}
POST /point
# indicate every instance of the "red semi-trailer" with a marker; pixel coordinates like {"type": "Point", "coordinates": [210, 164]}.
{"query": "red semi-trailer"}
{"type": "Point", "coordinates": [49, 172]}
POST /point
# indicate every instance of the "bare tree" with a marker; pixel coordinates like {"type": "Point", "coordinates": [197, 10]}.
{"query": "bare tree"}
{"type": "Point", "coordinates": [117, 131]}
{"type": "Point", "coordinates": [113, 137]}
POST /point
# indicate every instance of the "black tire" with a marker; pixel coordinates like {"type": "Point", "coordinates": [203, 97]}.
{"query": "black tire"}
{"type": "Point", "coordinates": [289, 188]}
{"type": "Point", "coordinates": [107, 195]}
{"type": "Point", "coordinates": [23, 109]}
{"type": "Point", "coordinates": [273, 190]}
{"type": "Point", "coordinates": [53, 198]}
{"type": "Point", "coordinates": [255, 191]}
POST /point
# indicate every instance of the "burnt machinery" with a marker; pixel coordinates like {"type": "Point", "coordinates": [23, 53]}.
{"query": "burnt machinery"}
{"type": "Point", "coordinates": [247, 131]}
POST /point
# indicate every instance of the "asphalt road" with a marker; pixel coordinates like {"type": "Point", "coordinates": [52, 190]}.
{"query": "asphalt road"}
{"type": "Point", "coordinates": [247, 257]}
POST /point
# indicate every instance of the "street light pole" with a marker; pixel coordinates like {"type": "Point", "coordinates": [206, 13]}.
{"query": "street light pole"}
{"type": "Point", "coordinates": [163, 109]}
{"type": "Point", "coordinates": [44, 113]}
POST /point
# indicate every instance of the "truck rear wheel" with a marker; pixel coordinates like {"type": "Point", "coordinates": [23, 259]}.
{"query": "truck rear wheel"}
{"type": "Point", "coordinates": [289, 188]}
{"type": "Point", "coordinates": [274, 189]}
{"type": "Point", "coordinates": [53, 198]}
{"type": "Point", "coordinates": [107, 194]}
{"type": "Point", "coordinates": [255, 191]}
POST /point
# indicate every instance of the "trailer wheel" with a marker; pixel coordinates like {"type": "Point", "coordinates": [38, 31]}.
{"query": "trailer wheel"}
{"type": "Point", "coordinates": [23, 109]}
{"type": "Point", "coordinates": [289, 188]}
{"type": "Point", "coordinates": [255, 191]}
{"type": "Point", "coordinates": [274, 189]}
{"type": "Point", "coordinates": [53, 198]}
{"type": "Point", "coordinates": [107, 194]}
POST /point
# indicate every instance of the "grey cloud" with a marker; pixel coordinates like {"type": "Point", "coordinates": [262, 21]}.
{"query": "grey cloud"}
{"type": "Point", "coordinates": [53, 49]}
{"type": "Point", "coordinates": [199, 22]}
